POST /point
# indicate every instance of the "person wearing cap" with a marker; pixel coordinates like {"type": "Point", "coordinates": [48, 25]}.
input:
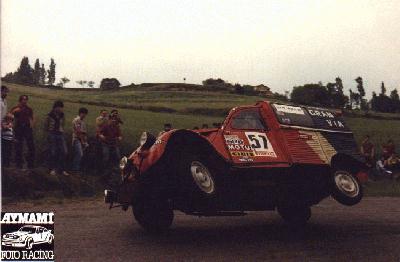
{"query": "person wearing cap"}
{"type": "Point", "coordinates": [54, 125]}
{"type": "Point", "coordinates": [23, 116]}
{"type": "Point", "coordinates": [3, 102]}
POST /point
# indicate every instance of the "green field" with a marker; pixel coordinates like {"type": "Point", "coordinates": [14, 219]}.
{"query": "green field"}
{"type": "Point", "coordinates": [137, 121]}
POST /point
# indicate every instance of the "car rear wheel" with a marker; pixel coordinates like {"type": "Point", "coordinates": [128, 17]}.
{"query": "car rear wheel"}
{"type": "Point", "coordinates": [295, 215]}
{"type": "Point", "coordinates": [347, 190]}
{"type": "Point", "coordinates": [153, 216]}
{"type": "Point", "coordinates": [50, 240]}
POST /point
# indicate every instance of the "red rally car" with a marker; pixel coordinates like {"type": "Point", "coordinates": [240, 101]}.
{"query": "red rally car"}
{"type": "Point", "coordinates": [264, 157]}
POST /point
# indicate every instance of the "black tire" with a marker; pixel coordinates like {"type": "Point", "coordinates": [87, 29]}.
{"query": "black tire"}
{"type": "Point", "coordinates": [50, 240]}
{"type": "Point", "coordinates": [295, 215]}
{"type": "Point", "coordinates": [154, 216]}
{"type": "Point", "coordinates": [198, 182]}
{"type": "Point", "coordinates": [346, 189]}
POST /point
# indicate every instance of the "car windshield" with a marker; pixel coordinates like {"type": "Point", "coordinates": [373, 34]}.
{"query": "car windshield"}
{"type": "Point", "coordinates": [28, 229]}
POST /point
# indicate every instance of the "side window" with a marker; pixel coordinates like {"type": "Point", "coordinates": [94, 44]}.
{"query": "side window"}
{"type": "Point", "coordinates": [248, 119]}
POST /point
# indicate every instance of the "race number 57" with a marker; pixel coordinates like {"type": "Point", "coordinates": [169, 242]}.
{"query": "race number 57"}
{"type": "Point", "coordinates": [257, 141]}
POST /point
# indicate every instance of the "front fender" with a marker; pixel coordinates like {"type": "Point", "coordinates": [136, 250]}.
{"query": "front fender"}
{"type": "Point", "coordinates": [167, 143]}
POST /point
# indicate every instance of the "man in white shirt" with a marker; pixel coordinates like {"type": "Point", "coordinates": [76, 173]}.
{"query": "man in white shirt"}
{"type": "Point", "coordinates": [3, 102]}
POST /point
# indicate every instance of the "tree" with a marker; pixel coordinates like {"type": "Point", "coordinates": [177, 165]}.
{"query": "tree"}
{"type": "Point", "coordinates": [80, 82]}
{"type": "Point", "coordinates": [64, 81]}
{"type": "Point", "coordinates": [311, 94]}
{"type": "Point", "coordinates": [109, 83]}
{"type": "Point", "coordinates": [51, 73]}
{"type": "Point", "coordinates": [394, 95]}
{"type": "Point", "coordinates": [42, 77]}
{"type": "Point", "coordinates": [36, 72]}
{"type": "Point", "coordinates": [90, 84]}
{"type": "Point", "coordinates": [361, 93]}
{"type": "Point", "coordinates": [383, 89]}
{"type": "Point", "coordinates": [24, 74]}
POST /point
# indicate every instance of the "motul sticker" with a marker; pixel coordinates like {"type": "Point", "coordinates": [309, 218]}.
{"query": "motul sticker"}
{"type": "Point", "coordinates": [260, 143]}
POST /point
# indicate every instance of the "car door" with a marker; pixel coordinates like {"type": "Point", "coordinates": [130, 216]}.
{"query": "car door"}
{"type": "Point", "coordinates": [36, 235]}
{"type": "Point", "coordinates": [249, 140]}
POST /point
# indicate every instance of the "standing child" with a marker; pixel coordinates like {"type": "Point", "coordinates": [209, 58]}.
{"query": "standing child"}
{"type": "Point", "coordinates": [7, 139]}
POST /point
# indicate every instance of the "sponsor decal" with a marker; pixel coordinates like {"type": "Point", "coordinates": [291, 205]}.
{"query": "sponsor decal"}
{"type": "Point", "coordinates": [288, 109]}
{"type": "Point", "coordinates": [260, 143]}
{"type": "Point", "coordinates": [321, 113]}
{"type": "Point", "coordinates": [233, 140]}
{"type": "Point", "coordinates": [335, 123]}
{"type": "Point", "coordinates": [27, 236]}
{"type": "Point", "coordinates": [159, 141]}
{"type": "Point", "coordinates": [239, 147]}
{"type": "Point", "coordinates": [246, 159]}
{"type": "Point", "coordinates": [242, 153]}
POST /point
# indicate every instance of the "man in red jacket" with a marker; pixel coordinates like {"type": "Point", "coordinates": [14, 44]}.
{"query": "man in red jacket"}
{"type": "Point", "coordinates": [110, 136]}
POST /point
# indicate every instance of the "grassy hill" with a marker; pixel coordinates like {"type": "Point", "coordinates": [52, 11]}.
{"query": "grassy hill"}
{"type": "Point", "coordinates": [147, 108]}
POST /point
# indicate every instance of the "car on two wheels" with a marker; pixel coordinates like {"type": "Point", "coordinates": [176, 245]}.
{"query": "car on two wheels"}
{"type": "Point", "coordinates": [267, 156]}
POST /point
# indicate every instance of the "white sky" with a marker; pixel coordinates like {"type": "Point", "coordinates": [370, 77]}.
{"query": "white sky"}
{"type": "Point", "coordinates": [278, 43]}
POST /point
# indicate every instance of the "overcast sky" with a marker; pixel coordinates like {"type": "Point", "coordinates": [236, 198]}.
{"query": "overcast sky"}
{"type": "Point", "coordinates": [277, 43]}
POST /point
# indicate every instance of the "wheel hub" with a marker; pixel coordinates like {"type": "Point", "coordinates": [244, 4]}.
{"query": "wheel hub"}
{"type": "Point", "coordinates": [202, 177]}
{"type": "Point", "coordinates": [347, 184]}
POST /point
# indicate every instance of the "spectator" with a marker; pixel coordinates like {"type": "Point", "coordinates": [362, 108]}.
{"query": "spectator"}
{"type": "Point", "coordinates": [23, 115]}
{"type": "Point", "coordinates": [79, 138]}
{"type": "Point", "coordinates": [101, 120]}
{"type": "Point", "coordinates": [7, 140]}
{"type": "Point", "coordinates": [167, 128]}
{"type": "Point", "coordinates": [204, 126]}
{"type": "Point", "coordinates": [110, 136]}
{"type": "Point", "coordinates": [3, 103]}
{"type": "Point", "coordinates": [114, 114]}
{"type": "Point", "coordinates": [196, 128]}
{"type": "Point", "coordinates": [368, 151]}
{"type": "Point", "coordinates": [54, 125]}
{"type": "Point", "coordinates": [388, 149]}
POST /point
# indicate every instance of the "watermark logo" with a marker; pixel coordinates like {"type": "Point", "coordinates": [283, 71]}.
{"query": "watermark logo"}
{"type": "Point", "coordinates": [27, 236]}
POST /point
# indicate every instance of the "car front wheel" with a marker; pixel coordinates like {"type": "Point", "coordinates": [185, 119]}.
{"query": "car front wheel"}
{"type": "Point", "coordinates": [29, 243]}
{"type": "Point", "coordinates": [153, 216]}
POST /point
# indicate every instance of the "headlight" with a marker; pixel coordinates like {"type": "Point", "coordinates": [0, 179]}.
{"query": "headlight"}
{"type": "Point", "coordinates": [147, 140]}
{"type": "Point", "coordinates": [123, 162]}
{"type": "Point", "coordinates": [143, 138]}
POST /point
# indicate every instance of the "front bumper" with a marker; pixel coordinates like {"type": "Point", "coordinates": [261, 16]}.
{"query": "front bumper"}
{"type": "Point", "coordinates": [12, 243]}
{"type": "Point", "coordinates": [110, 196]}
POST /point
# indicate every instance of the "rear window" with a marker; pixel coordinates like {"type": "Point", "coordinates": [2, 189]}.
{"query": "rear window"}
{"type": "Point", "coordinates": [309, 117]}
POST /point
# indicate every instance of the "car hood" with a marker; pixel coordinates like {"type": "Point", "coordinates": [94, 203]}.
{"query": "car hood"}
{"type": "Point", "coordinates": [17, 233]}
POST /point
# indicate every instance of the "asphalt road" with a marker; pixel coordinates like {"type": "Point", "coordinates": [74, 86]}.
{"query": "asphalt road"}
{"type": "Point", "coordinates": [85, 230]}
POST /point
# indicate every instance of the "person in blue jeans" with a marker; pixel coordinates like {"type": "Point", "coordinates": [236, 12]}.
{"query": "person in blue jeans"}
{"type": "Point", "coordinates": [54, 125]}
{"type": "Point", "coordinates": [79, 138]}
